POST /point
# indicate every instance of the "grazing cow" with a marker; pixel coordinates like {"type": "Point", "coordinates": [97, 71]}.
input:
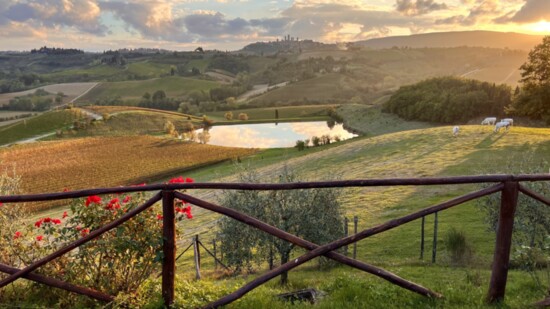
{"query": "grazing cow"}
{"type": "Point", "coordinates": [509, 120]}
{"type": "Point", "coordinates": [489, 121]}
{"type": "Point", "coordinates": [455, 130]}
{"type": "Point", "coordinates": [502, 124]}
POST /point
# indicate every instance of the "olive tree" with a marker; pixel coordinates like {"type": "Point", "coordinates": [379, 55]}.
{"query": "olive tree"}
{"type": "Point", "coordinates": [531, 241]}
{"type": "Point", "coordinates": [312, 214]}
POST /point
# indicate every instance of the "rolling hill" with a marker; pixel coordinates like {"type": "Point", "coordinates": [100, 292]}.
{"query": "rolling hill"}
{"type": "Point", "coordinates": [491, 39]}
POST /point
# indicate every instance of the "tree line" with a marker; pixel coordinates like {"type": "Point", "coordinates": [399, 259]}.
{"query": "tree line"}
{"type": "Point", "coordinates": [449, 100]}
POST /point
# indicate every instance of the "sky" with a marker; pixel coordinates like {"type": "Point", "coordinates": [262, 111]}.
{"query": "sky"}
{"type": "Point", "coordinates": [97, 25]}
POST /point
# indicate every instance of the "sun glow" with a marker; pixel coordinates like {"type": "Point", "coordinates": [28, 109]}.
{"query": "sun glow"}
{"type": "Point", "coordinates": [541, 26]}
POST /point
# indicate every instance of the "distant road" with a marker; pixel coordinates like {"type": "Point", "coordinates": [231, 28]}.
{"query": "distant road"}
{"type": "Point", "coordinates": [470, 73]}
{"type": "Point", "coordinates": [257, 90]}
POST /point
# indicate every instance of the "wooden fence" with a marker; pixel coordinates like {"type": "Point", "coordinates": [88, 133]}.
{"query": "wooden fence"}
{"type": "Point", "coordinates": [508, 185]}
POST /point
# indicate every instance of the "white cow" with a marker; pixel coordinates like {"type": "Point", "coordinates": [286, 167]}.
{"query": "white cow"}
{"type": "Point", "coordinates": [455, 130]}
{"type": "Point", "coordinates": [509, 120]}
{"type": "Point", "coordinates": [489, 121]}
{"type": "Point", "coordinates": [502, 124]}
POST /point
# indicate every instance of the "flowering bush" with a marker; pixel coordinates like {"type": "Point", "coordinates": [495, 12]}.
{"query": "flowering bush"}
{"type": "Point", "coordinates": [117, 261]}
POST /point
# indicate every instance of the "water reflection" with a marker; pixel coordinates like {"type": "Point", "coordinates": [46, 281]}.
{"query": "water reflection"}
{"type": "Point", "coordinates": [271, 135]}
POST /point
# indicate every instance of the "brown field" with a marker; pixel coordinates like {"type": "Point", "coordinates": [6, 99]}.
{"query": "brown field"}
{"type": "Point", "coordinates": [105, 162]}
{"type": "Point", "coordinates": [71, 91]}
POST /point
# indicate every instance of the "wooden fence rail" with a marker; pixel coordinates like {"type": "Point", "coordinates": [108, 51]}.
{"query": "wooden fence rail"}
{"type": "Point", "coordinates": [508, 185]}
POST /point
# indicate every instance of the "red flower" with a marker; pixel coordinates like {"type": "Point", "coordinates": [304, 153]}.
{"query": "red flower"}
{"type": "Point", "coordinates": [1, 204]}
{"type": "Point", "coordinates": [65, 215]}
{"type": "Point", "coordinates": [127, 199]}
{"type": "Point", "coordinates": [114, 201]}
{"type": "Point", "coordinates": [78, 228]}
{"type": "Point", "coordinates": [17, 235]}
{"type": "Point", "coordinates": [47, 220]}
{"type": "Point", "coordinates": [56, 221]}
{"type": "Point", "coordinates": [84, 232]}
{"type": "Point", "coordinates": [38, 223]}
{"type": "Point", "coordinates": [189, 180]}
{"type": "Point", "coordinates": [65, 190]}
{"type": "Point", "coordinates": [93, 199]}
{"type": "Point", "coordinates": [160, 217]}
{"type": "Point", "coordinates": [39, 238]}
{"type": "Point", "coordinates": [177, 180]}
{"type": "Point", "coordinates": [189, 215]}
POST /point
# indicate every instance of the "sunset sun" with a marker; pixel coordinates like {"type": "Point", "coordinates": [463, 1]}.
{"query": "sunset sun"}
{"type": "Point", "coordinates": [541, 26]}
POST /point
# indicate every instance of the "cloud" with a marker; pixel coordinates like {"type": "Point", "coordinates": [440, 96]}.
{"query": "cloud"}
{"type": "Point", "coordinates": [151, 19]}
{"type": "Point", "coordinates": [79, 14]}
{"type": "Point", "coordinates": [215, 25]}
{"type": "Point", "coordinates": [531, 11]}
{"type": "Point", "coordinates": [318, 20]}
{"type": "Point", "coordinates": [481, 11]}
{"type": "Point", "coordinates": [418, 7]}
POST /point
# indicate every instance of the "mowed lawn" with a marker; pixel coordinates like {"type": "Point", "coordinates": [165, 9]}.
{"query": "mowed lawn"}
{"type": "Point", "coordinates": [107, 161]}
{"type": "Point", "coordinates": [173, 86]}
{"type": "Point", "coordinates": [430, 152]}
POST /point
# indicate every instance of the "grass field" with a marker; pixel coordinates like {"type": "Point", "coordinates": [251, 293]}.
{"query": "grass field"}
{"type": "Point", "coordinates": [371, 121]}
{"type": "Point", "coordinates": [172, 86]}
{"type": "Point", "coordinates": [268, 113]}
{"type": "Point", "coordinates": [70, 90]}
{"type": "Point", "coordinates": [130, 109]}
{"type": "Point", "coordinates": [316, 89]}
{"type": "Point", "coordinates": [41, 124]}
{"type": "Point", "coordinates": [135, 123]}
{"type": "Point", "coordinates": [101, 162]}
{"type": "Point", "coordinates": [414, 153]}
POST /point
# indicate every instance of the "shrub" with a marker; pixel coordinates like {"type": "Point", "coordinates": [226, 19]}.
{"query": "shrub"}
{"type": "Point", "coordinates": [117, 261]}
{"type": "Point", "coordinates": [458, 248]}
{"type": "Point", "coordinates": [243, 116]}
{"type": "Point", "coordinates": [300, 145]}
{"type": "Point", "coordinates": [228, 115]}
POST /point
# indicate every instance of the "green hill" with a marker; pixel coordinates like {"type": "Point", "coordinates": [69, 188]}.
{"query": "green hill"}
{"type": "Point", "coordinates": [173, 86]}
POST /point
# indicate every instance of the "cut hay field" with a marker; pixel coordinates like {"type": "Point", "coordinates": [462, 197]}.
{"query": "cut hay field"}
{"type": "Point", "coordinates": [173, 86]}
{"type": "Point", "coordinates": [414, 153]}
{"type": "Point", "coordinates": [70, 90]}
{"type": "Point", "coordinates": [102, 162]}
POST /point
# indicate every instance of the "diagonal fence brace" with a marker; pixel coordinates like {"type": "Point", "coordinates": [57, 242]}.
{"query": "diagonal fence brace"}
{"type": "Point", "coordinates": [537, 196]}
{"type": "Point", "coordinates": [59, 284]}
{"type": "Point", "coordinates": [326, 249]}
{"type": "Point", "coordinates": [77, 243]}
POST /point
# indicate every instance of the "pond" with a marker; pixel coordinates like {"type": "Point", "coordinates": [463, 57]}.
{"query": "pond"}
{"type": "Point", "coordinates": [272, 135]}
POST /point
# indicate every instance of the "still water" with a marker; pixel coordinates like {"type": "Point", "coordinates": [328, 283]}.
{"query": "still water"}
{"type": "Point", "coordinates": [271, 135]}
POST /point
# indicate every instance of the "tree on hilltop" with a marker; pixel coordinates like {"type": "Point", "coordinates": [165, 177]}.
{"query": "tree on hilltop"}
{"type": "Point", "coordinates": [534, 98]}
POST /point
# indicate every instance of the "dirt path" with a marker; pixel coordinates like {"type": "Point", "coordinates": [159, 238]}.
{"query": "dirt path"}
{"type": "Point", "coordinates": [82, 94]}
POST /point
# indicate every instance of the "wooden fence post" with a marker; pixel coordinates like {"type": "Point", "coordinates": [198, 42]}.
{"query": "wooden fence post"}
{"type": "Point", "coordinates": [434, 249]}
{"type": "Point", "coordinates": [501, 259]}
{"type": "Point", "coordinates": [422, 238]}
{"type": "Point", "coordinates": [168, 247]}
{"type": "Point", "coordinates": [346, 233]}
{"type": "Point", "coordinates": [355, 220]}
{"type": "Point", "coordinates": [197, 255]}
{"type": "Point", "coordinates": [215, 255]}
